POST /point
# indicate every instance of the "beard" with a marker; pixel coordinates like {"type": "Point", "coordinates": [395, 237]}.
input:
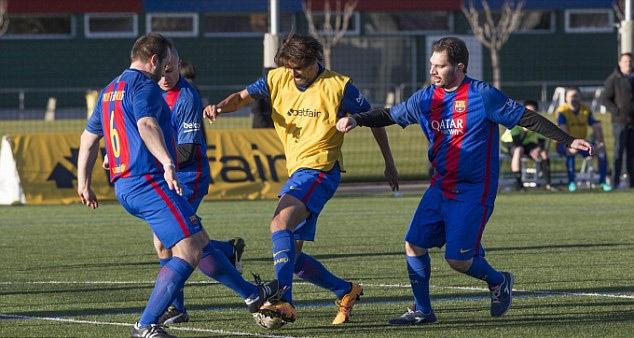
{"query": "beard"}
{"type": "Point", "coordinates": [301, 82]}
{"type": "Point", "coordinates": [157, 75]}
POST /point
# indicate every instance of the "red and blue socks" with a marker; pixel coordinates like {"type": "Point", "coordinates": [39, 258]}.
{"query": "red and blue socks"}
{"type": "Point", "coordinates": [215, 264]}
{"type": "Point", "coordinates": [179, 300]}
{"type": "Point", "coordinates": [169, 282]}
{"type": "Point", "coordinates": [311, 270]}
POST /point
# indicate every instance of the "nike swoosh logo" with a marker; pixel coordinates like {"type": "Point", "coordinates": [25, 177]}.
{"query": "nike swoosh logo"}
{"type": "Point", "coordinates": [279, 252]}
{"type": "Point", "coordinates": [293, 188]}
{"type": "Point", "coordinates": [464, 251]}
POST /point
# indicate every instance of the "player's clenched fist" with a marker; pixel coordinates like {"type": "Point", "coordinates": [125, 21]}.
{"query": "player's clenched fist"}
{"type": "Point", "coordinates": [211, 112]}
{"type": "Point", "coordinates": [346, 124]}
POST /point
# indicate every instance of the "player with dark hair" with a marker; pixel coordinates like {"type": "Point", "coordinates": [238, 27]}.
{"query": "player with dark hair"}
{"type": "Point", "coordinates": [575, 118]}
{"type": "Point", "coordinates": [307, 101]}
{"type": "Point", "coordinates": [193, 166]}
{"type": "Point", "coordinates": [137, 125]}
{"type": "Point", "coordinates": [460, 117]}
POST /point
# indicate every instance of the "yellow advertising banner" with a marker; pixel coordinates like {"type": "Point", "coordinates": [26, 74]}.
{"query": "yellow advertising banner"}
{"type": "Point", "coordinates": [245, 164]}
{"type": "Point", "coordinates": [47, 166]}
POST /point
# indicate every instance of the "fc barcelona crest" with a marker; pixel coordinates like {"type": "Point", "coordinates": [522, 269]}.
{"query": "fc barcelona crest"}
{"type": "Point", "coordinates": [460, 106]}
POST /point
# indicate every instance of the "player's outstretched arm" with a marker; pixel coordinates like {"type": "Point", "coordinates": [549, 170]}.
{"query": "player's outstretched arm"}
{"type": "Point", "coordinates": [537, 123]}
{"type": "Point", "coordinates": [88, 151]}
{"type": "Point", "coordinates": [391, 174]}
{"type": "Point", "coordinates": [152, 136]}
{"type": "Point", "coordinates": [232, 103]}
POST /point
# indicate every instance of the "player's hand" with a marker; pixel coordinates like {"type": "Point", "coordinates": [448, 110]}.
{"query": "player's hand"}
{"type": "Point", "coordinates": [580, 144]}
{"type": "Point", "coordinates": [346, 124]}
{"type": "Point", "coordinates": [211, 112]}
{"type": "Point", "coordinates": [171, 179]}
{"type": "Point", "coordinates": [88, 197]}
{"type": "Point", "coordinates": [106, 162]}
{"type": "Point", "coordinates": [391, 174]}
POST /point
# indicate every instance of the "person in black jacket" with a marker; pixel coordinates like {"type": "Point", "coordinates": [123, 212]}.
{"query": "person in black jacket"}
{"type": "Point", "coordinates": [617, 97]}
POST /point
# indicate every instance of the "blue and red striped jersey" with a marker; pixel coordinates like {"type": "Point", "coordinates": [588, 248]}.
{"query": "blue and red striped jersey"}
{"type": "Point", "coordinates": [128, 98]}
{"type": "Point", "coordinates": [462, 129]}
{"type": "Point", "coordinates": [187, 119]}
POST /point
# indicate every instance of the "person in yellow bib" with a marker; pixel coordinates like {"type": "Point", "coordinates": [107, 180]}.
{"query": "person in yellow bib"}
{"type": "Point", "coordinates": [520, 141]}
{"type": "Point", "coordinates": [574, 118]}
{"type": "Point", "coordinates": [307, 101]}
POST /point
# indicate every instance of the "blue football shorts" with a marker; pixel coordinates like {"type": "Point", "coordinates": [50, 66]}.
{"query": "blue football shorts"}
{"type": "Point", "coordinates": [314, 188]}
{"type": "Point", "coordinates": [169, 214]}
{"type": "Point", "coordinates": [193, 191]}
{"type": "Point", "coordinates": [440, 221]}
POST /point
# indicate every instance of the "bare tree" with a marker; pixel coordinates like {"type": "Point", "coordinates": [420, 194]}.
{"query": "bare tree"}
{"type": "Point", "coordinates": [331, 35]}
{"type": "Point", "coordinates": [619, 11]}
{"type": "Point", "coordinates": [4, 19]}
{"type": "Point", "coordinates": [493, 34]}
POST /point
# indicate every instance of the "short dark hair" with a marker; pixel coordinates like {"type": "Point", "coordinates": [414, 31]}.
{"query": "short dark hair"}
{"type": "Point", "coordinates": [150, 44]}
{"type": "Point", "coordinates": [531, 103]}
{"type": "Point", "coordinates": [299, 51]}
{"type": "Point", "coordinates": [625, 54]}
{"type": "Point", "coordinates": [188, 71]}
{"type": "Point", "coordinates": [456, 49]}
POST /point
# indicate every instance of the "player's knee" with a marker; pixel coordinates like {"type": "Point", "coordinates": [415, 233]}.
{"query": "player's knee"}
{"type": "Point", "coordinates": [277, 225]}
{"type": "Point", "coordinates": [413, 250]}
{"type": "Point", "coordinates": [460, 265]}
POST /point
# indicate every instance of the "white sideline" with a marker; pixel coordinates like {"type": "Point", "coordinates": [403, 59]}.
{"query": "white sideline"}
{"type": "Point", "coordinates": [561, 293]}
{"type": "Point", "coordinates": [191, 329]}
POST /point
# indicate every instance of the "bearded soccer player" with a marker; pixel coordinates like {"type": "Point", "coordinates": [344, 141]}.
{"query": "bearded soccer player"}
{"type": "Point", "coordinates": [137, 125]}
{"type": "Point", "coordinates": [307, 100]}
{"type": "Point", "coordinates": [459, 116]}
{"type": "Point", "coordinates": [193, 168]}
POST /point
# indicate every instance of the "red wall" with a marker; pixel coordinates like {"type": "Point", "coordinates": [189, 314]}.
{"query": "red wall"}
{"type": "Point", "coordinates": [74, 6]}
{"type": "Point", "coordinates": [395, 5]}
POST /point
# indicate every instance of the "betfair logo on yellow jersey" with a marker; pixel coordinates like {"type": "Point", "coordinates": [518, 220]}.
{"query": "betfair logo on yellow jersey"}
{"type": "Point", "coordinates": [307, 112]}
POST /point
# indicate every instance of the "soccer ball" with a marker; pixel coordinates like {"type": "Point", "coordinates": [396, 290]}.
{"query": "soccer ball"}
{"type": "Point", "coordinates": [268, 320]}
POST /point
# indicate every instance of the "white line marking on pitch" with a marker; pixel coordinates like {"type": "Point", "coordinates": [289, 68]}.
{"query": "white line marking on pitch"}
{"type": "Point", "coordinates": [406, 286]}
{"type": "Point", "coordinates": [77, 321]}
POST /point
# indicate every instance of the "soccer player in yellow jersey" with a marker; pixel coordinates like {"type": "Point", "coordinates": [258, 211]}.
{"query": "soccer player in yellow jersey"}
{"type": "Point", "coordinates": [574, 118]}
{"type": "Point", "coordinates": [307, 102]}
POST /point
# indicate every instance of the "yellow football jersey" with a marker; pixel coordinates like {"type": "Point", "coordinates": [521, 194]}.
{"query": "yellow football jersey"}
{"type": "Point", "coordinates": [577, 124]}
{"type": "Point", "coordinates": [306, 121]}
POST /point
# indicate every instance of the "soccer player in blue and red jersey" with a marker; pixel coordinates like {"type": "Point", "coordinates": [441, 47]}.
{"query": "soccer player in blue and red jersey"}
{"type": "Point", "coordinates": [460, 117]}
{"type": "Point", "coordinates": [307, 100]}
{"type": "Point", "coordinates": [137, 125]}
{"type": "Point", "coordinates": [193, 168]}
